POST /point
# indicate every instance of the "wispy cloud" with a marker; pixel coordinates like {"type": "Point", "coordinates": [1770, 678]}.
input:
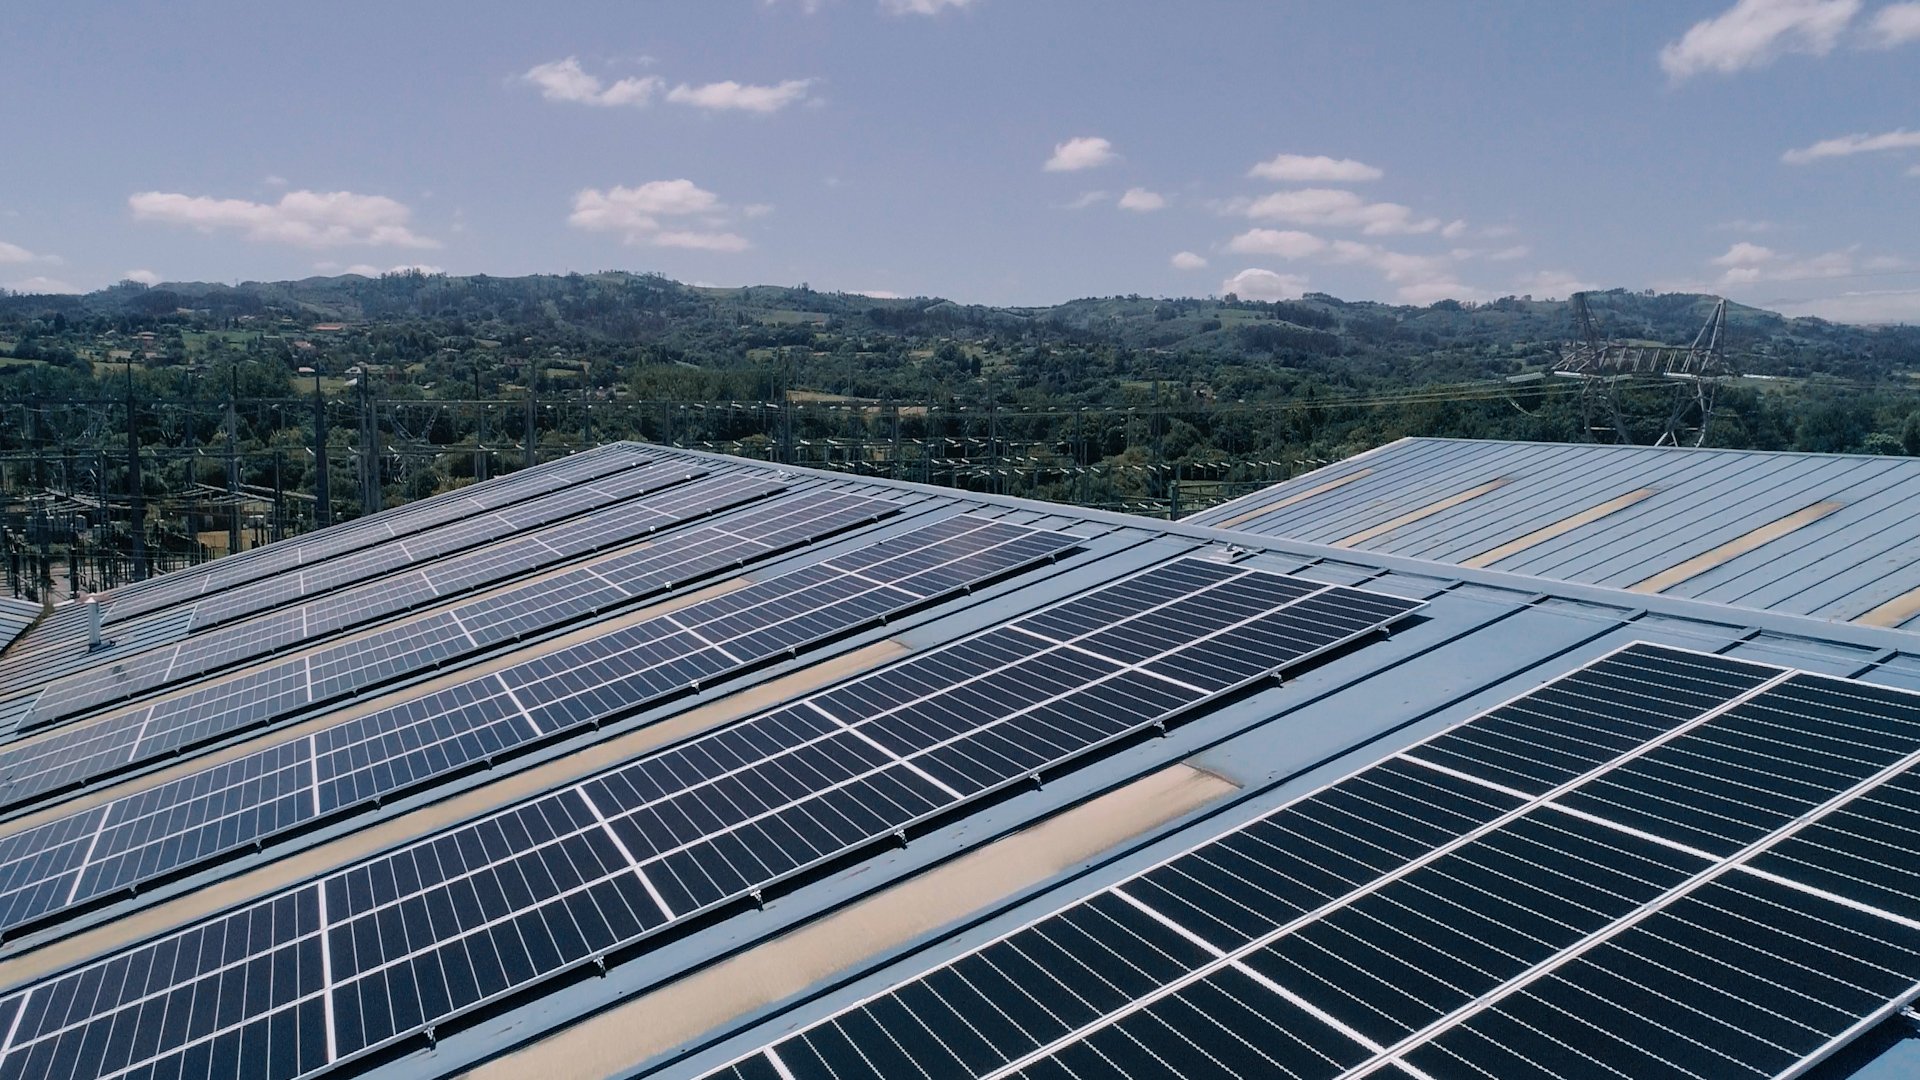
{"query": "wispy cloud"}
{"type": "Point", "coordinates": [315, 219]}
{"type": "Point", "coordinates": [1081, 152]}
{"type": "Point", "coordinates": [1869, 306]}
{"type": "Point", "coordinates": [1302, 169]}
{"type": "Point", "coordinates": [1088, 198]}
{"type": "Point", "coordinates": [1753, 33]}
{"type": "Point", "coordinates": [741, 97]}
{"type": "Point", "coordinates": [41, 286]}
{"type": "Point", "coordinates": [1857, 143]}
{"type": "Point", "coordinates": [923, 7]}
{"type": "Point", "coordinates": [658, 213]}
{"type": "Point", "coordinates": [14, 253]}
{"type": "Point", "coordinates": [1553, 284]}
{"type": "Point", "coordinates": [565, 80]}
{"type": "Point", "coordinates": [372, 271]}
{"type": "Point", "coordinates": [144, 277]}
{"type": "Point", "coordinates": [1748, 263]}
{"type": "Point", "coordinates": [1187, 260]}
{"type": "Point", "coordinates": [1896, 24]}
{"type": "Point", "coordinates": [1140, 200]}
{"type": "Point", "coordinates": [1338, 208]}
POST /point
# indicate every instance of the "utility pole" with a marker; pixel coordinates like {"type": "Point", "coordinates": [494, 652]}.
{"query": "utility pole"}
{"type": "Point", "coordinates": [233, 468]}
{"type": "Point", "coordinates": [533, 404]}
{"type": "Point", "coordinates": [479, 428]}
{"type": "Point", "coordinates": [322, 497]}
{"type": "Point", "coordinates": [993, 438]}
{"type": "Point", "coordinates": [134, 484]}
{"type": "Point", "coordinates": [369, 445]}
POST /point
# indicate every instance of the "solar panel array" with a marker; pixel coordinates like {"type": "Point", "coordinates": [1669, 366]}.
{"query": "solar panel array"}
{"type": "Point", "coordinates": [227, 646]}
{"type": "Point", "coordinates": [367, 532]}
{"type": "Point", "coordinates": [324, 973]}
{"type": "Point", "coordinates": [162, 831]}
{"type": "Point", "coordinates": [437, 543]}
{"type": "Point", "coordinates": [259, 696]}
{"type": "Point", "coordinates": [355, 587]}
{"type": "Point", "coordinates": [1664, 864]}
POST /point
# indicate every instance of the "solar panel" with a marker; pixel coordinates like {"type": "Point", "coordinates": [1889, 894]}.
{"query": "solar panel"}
{"type": "Point", "coordinates": [163, 830]}
{"type": "Point", "coordinates": [438, 542]}
{"type": "Point", "coordinates": [352, 536]}
{"type": "Point", "coordinates": [226, 646]}
{"type": "Point", "coordinates": [395, 945]}
{"type": "Point", "coordinates": [1659, 865]}
{"type": "Point", "coordinates": [264, 694]}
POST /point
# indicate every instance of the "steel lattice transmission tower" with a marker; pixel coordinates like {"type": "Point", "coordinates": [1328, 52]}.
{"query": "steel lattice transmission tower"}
{"type": "Point", "coordinates": [1686, 377]}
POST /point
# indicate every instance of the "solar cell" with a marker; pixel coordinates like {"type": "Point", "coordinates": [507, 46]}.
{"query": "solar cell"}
{"type": "Point", "coordinates": [414, 938]}
{"type": "Point", "coordinates": [262, 695]}
{"type": "Point", "coordinates": [163, 830]}
{"type": "Point", "coordinates": [226, 646]}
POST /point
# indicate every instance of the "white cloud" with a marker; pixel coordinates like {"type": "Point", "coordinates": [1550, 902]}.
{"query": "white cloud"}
{"type": "Point", "coordinates": [1286, 243]}
{"type": "Point", "coordinates": [1747, 263]}
{"type": "Point", "coordinates": [1338, 208]}
{"type": "Point", "coordinates": [1896, 24]}
{"type": "Point", "coordinates": [1753, 33]}
{"type": "Point", "coordinates": [1301, 169]}
{"type": "Point", "coordinates": [741, 97]}
{"type": "Point", "coordinates": [41, 286]}
{"type": "Point", "coordinates": [1141, 200]}
{"type": "Point", "coordinates": [807, 7]}
{"type": "Point", "coordinates": [700, 241]}
{"type": "Point", "coordinates": [1875, 306]}
{"type": "Point", "coordinates": [876, 294]}
{"type": "Point", "coordinates": [1421, 279]}
{"type": "Point", "coordinates": [565, 80]}
{"type": "Point", "coordinates": [1254, 283]}
{"type": "Point", "coordinates": [636, 213]}
{"type": "Point", "coordinates": [14, 253]}
{"type": "Point", "coordinates": [370, 270]}
{"type": "Point", "coordinates": [314, 219]}
{"type": "Point", "coordinates": [1187, 260]}
{"type": "Point", "coordinates": [1745, 253]}
{"type": "Point", "coordinates": [144, 277]}
{"type": "Point", "coordinates": [1427, 293]}
{"type": "Point", "coordinates": [922, 7]}
{"type": "Point", "coordinates": [1454, 229]}
{"type": "Point", "coordinates": [1088, 198]}
{"type": "Point", "coordinates": [1081, 152]}
{"type": "Point", "coordinates": [1553, 284]}
{"type": "Point", "coordinates": [1856, 143]}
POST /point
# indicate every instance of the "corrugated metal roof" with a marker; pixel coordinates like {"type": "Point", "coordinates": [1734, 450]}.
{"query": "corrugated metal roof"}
{"type": "Point", "coordinates": [1832, 536]}
{"type": "Point", "coordinates": [15, 617]}
{"type": "Point", "coordinates": [1483, 636]}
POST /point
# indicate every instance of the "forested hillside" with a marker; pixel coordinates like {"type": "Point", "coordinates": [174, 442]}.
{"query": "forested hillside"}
{"type": "Point", "coordinates": [1115, 400]}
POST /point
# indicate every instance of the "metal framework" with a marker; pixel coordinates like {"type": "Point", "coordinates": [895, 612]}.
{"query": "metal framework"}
{"type": "Point", "coordinates": [1686, 377]}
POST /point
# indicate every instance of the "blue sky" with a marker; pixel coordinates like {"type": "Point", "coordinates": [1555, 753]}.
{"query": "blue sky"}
{"type": "Point", "coordinates": [993, 151]}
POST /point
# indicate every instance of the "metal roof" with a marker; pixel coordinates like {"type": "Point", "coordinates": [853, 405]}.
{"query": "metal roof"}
{"type": "Point", "coordinates": [1833, 536]}
{"type": "Point", "coordinates": [682, 1004]}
